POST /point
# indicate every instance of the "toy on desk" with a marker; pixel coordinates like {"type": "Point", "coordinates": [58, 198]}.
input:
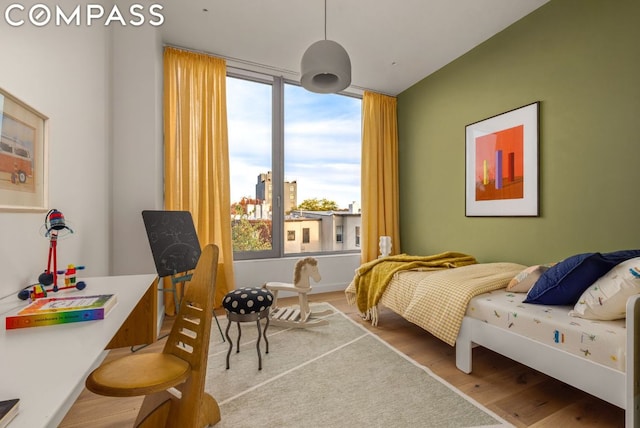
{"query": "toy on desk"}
{"type": "Point", "coordinates": [54, 227]}
{"type": "Point", "coordinates": [70, 278]}
{"type": "Point", "coordinates": [36, 291]}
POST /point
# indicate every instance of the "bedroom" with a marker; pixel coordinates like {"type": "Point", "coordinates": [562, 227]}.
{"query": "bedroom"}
{"type": "Point", "coordinates": [577, 58]}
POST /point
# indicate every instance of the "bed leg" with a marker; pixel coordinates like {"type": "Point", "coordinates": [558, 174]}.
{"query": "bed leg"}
{"type": "Point", "coordinates": [464, 349]}
{"type": "Point", "coordinates": [632, 408]}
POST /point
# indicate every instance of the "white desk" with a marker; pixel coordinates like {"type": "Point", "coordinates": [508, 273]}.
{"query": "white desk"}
{"type": "Point", "coordinates": [46, 366]}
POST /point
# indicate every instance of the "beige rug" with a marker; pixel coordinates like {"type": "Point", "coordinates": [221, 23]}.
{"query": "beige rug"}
{"type": "Point", "coordinates": [338, 375]}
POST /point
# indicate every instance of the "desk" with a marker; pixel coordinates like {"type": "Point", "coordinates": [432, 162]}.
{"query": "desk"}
{"type": "Point", "coordinates": [46, 366]}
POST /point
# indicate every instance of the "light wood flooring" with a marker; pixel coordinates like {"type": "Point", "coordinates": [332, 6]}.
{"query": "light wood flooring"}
{"type": "Point", "coordinates": [520, 395]}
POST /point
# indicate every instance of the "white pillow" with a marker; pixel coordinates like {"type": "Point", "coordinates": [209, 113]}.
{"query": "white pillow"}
{"type": "Point", "coordinates": [523, 281]}
{"type": "Point", "coordinates": [606, 299]}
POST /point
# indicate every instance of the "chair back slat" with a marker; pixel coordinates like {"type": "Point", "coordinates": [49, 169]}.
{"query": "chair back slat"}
{"type": "Point", "coordinates": [189, 337]}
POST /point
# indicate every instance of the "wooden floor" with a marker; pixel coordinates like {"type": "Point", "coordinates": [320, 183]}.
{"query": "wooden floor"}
{"type": "Point", "coordinates": [522, 396]}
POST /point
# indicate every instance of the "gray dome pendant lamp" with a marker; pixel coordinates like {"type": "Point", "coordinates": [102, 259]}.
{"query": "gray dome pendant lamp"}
{"type": "Point", "coordinates": [325, 67]}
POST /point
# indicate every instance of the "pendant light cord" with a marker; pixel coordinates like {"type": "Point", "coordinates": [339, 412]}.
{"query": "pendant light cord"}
{"type": "Point", "coordinates": [325, 19]}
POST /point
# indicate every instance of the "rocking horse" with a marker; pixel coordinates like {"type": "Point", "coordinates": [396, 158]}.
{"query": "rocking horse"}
{"type": "Point", "coordinates": [297, 316]}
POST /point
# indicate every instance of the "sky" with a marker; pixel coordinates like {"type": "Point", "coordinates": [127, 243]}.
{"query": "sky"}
{"type": "Point", "coordinates": [322, 141]}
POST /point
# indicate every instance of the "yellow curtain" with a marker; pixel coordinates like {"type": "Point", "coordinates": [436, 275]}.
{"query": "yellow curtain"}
{"type": "Point", "coordinates": [196, 153]}
{"type": "Point", "coordinates": [379, 174]}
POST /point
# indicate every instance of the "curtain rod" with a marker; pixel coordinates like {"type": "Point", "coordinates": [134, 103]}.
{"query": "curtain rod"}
{"type": "Point", "coordinates": [257, 66]}
{"type": "Point", "coordinates": [238, 60]}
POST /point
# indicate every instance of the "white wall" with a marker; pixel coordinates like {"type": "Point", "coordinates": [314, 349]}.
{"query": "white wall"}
{"type": "Point", "coordinates": [64, 74]}
{"type": "Point", "coordinates": [137, 144]}
{"type": "Point", "coordinates": [336, 271]}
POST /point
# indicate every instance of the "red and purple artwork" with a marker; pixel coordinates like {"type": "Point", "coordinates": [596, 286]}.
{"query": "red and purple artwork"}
{"type": "Point", "coordinates": [499, 169]}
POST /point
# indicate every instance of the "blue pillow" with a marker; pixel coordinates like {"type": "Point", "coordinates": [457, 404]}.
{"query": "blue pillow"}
{"type": "Point", "coordinates": [564, 283]}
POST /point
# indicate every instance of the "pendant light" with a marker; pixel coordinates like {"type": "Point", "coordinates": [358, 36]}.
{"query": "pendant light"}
{"type": "Point", "coordinates": [325, 66]}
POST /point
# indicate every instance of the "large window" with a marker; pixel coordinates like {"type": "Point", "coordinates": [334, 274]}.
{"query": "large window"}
{"type": "Point", "coordinates": [295, 167]}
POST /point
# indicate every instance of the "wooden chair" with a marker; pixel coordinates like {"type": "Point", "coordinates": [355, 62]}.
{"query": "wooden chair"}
{"type": "Point", "coordinates": [172, 381]}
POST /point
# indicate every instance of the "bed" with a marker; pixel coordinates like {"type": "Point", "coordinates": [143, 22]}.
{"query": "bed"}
{"type": "Point", "coordinates": [467, 304]}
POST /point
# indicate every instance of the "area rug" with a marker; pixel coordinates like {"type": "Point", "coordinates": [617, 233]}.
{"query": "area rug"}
{"type": "Point", "coordinates": [337, 375]}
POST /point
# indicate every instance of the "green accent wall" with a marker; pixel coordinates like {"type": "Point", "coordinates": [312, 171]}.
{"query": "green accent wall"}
{"type": "Point", "coordinates": [581, 60]}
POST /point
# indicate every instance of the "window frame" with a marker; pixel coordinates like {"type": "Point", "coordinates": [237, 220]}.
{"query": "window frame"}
{"type": "Point", "coordinates": [277, 166]}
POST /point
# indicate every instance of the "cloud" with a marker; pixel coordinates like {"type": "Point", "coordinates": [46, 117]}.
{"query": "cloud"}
{"type": "Point", "coordinates": [322, 141]}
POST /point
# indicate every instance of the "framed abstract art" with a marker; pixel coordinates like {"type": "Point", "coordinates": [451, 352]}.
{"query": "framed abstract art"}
{"type": "Point", "coordinates": [502, 164]}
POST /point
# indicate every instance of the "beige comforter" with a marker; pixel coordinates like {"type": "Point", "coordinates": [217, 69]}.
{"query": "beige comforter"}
{"type": "Point", "coordinates": [372, 278]}
{"type": "Point", "coordinates": [437, 300]}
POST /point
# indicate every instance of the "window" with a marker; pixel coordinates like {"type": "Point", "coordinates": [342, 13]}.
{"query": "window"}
{"type": "Point", "coordinates": [339, 233]}
{"type": "Point", "coordinates": [294, 165]}
{"type": "Point", "coordinates": [250, 157]}
{"type": "Point", "coordinates": [357, 236]}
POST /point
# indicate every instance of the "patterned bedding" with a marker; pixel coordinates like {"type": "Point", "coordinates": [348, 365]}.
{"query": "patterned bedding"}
{"type": "Point", "coordinates": [438, 300]}
{"type": "Point", "coordinates": [412, 295]}
{"type": "Point", "coordinates": [602, 342]}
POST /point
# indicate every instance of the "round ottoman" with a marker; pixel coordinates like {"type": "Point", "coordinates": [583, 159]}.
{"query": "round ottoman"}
{"type": "Point", "coordinates": [247, 305]}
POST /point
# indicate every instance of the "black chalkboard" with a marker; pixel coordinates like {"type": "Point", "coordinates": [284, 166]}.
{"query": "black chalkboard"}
{"type": "Point", "coordinates": [173, 240]}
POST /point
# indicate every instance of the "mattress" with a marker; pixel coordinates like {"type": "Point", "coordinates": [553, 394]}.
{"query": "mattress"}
{"type": "Point", "coordinates": [602, 342]}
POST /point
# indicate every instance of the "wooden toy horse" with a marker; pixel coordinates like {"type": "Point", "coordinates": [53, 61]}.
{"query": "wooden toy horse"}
{"type": "Point", "coordinates": [299, 316]}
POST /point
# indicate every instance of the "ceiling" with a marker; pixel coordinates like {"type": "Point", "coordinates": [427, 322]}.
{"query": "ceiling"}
{"type": "Point", "coordinates": [392, 44]}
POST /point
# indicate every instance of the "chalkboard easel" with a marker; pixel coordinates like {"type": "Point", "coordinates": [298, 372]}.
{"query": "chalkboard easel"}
{"type": "Point", "coordinates": [175, 248]}
{"type": "Point", "coordinates": [173, 240]}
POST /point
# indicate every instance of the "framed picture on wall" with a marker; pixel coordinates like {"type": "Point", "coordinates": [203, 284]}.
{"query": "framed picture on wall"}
{"type": "Point", "coordinates": [502, 164]}
{"type": "Point", "coordinates": [23, 156]}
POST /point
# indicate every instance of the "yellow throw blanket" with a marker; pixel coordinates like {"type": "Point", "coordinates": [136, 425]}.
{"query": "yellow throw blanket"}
{"type": "Point", "coordinates": [372, 277]}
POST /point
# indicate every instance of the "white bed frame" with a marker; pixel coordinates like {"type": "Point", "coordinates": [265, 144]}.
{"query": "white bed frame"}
{"type": "Point", "coordinates": [614, 386]}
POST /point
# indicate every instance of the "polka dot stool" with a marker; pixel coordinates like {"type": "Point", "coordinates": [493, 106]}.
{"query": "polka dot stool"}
{"type": "Point", "coordinates": [246, 305]}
